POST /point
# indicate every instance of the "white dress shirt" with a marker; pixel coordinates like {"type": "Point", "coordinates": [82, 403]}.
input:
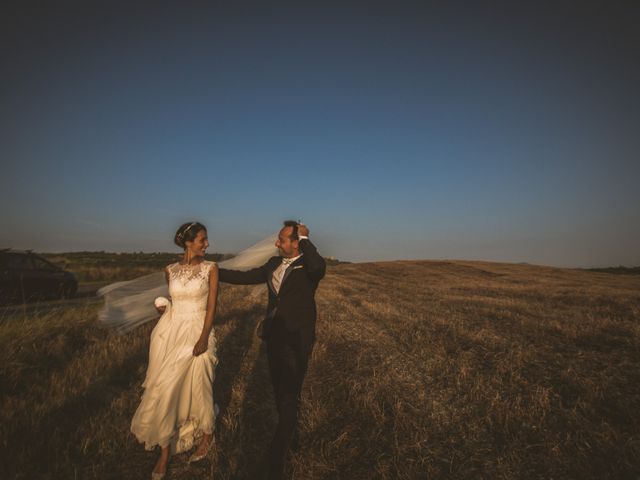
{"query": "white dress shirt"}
{"type": "Point", "coordinates": [278, 273]}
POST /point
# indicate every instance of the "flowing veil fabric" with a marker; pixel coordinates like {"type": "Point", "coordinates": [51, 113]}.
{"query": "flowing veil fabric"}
{"type": "Point", "coordinates": [131, 303]}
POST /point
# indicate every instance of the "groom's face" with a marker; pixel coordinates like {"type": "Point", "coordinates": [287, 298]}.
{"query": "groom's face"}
{"type": "Point", "coordinates": [288, 248]}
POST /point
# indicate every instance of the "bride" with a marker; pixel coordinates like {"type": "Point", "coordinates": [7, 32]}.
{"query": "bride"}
{"type": "Point", "coordinates": [177, 408]}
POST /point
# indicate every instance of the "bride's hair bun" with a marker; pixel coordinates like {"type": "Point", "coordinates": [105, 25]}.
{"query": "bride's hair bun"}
{"type": "Point", "coordinates": [187, 233]}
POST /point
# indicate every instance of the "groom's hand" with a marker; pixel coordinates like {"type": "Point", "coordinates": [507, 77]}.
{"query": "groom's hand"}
{"type": "Point", "coordinates": [303, 230]}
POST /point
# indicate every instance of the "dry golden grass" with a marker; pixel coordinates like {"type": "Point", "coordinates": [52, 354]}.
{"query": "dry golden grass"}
{"type": "Point", "coordinates": [420, 370]}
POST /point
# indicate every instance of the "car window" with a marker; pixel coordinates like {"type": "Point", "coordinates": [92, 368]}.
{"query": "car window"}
{"type": "Point", "coordinates": [40, 264]}
{"type": "Point", "coordinates": [19, 262]}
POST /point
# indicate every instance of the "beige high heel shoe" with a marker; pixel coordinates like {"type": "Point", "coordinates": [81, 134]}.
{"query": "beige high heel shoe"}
{"type": "Point", "coordinates": [196, 458]}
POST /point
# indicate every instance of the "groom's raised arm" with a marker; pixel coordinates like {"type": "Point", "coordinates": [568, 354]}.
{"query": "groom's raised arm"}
{"type": "Point", "coordinates": [313, 261]}
{"type": "Point", "coordinates": [250, 277]}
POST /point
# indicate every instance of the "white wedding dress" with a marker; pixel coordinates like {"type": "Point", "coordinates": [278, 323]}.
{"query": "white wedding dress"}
{"type": "Point", "coordinates": [177, 404]}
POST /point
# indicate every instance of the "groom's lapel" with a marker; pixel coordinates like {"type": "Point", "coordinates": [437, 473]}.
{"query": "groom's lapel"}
{"type": "Point", "coordinates": [297, 264]}
{"type": "Point", "coordinates": [270, 276]}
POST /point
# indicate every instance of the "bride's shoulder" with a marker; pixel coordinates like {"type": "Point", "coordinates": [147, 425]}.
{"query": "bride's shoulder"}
{"type": "Point", "coordinates": [208, 267]}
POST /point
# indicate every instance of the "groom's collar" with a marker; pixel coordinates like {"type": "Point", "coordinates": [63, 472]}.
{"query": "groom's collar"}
{"type": "Point", "coordinates": [290, 260]}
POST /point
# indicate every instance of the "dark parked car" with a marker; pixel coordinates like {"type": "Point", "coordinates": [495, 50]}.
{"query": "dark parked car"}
{"type": "Point", "coordinates": [26, 276]}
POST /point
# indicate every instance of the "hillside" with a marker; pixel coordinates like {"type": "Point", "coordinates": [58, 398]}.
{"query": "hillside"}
{"type": "Point", "coordinates": [421, 369]}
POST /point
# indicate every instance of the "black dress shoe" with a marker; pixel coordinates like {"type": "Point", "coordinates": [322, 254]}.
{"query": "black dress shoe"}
{"type": "Point", "coordinates": [276, 472]}
{"type": "Point", "coordinates": [295, 442]}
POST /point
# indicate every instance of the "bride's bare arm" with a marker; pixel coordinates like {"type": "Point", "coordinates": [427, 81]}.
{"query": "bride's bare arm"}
{"type": "Point", "coordinates": [212, 301]}
{"type": "Point", "coordinates": [161, 310]}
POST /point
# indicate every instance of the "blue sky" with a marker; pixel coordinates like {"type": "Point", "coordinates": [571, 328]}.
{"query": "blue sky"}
{"type": "Point", "coordinates": [399, 130]}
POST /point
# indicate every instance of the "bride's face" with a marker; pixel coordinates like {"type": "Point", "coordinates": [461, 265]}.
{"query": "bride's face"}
{"type": "Point", "coordinates": [198, 247]}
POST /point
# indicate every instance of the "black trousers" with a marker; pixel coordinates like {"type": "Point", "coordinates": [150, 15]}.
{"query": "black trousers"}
{"type": "Point", "coordinates": [288, 354]}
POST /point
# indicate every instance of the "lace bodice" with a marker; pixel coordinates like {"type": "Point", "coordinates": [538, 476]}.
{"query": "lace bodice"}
{"type": "Point", "coordinates": [189, 284]}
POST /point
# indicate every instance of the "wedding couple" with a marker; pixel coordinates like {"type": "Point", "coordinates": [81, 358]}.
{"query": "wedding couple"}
{"type": "Point", "coordinates": [177, 408]}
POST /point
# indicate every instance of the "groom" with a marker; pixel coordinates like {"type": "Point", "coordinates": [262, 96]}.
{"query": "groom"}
{"type": "Point", "coordinates": [288, 327]}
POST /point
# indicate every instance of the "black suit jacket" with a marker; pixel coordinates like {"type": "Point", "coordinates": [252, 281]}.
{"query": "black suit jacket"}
{"type": "Point", "coordinates": [294, 304]}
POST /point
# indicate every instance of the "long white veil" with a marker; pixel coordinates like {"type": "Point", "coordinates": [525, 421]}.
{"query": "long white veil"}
{"type": "Point", "coordinates": [131, 303]}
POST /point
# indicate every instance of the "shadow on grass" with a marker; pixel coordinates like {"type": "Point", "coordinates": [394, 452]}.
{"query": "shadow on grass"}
{"type": "Point", "coordinates": [39, 443]}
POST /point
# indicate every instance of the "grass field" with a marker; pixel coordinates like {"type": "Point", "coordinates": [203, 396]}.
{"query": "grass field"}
{"type": "Point", "coordinates": [421, 370]}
